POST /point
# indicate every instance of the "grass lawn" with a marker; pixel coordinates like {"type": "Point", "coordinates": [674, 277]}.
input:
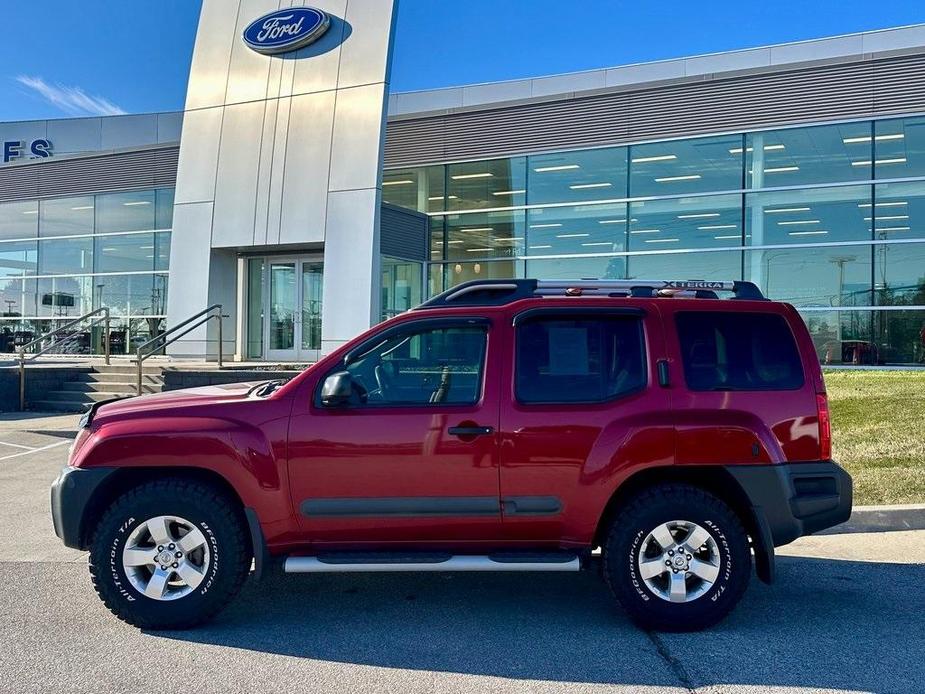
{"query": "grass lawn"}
{"type": "Point", "coordinates": [878, 433]}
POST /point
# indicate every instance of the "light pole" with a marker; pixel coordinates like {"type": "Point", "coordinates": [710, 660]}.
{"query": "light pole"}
{"type": "Point", "coordinates": [840, 260]}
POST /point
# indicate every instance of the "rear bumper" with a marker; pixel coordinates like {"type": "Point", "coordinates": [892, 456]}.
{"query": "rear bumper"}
{"type": "Point", "coordinates": [795, 499]}
{"type": "Point", "coordinates": [71, 493]}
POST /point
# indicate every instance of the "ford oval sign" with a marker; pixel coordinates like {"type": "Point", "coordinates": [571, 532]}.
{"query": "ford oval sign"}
{"type": "Point", "coordinates": [286, 30]}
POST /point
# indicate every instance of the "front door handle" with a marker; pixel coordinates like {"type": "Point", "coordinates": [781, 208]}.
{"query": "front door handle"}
{"type": "Point", "coordinates": [464, 431]}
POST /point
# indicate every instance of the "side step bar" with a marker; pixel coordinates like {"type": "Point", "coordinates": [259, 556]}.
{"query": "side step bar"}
{"type": "Point", "coordinates": [373, 563]}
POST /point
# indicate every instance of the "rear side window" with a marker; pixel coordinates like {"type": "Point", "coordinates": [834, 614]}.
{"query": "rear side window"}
{"type": "Point", "coordinates": [563, 360]}
{"type": "Point", "coordinates": [738, 351]}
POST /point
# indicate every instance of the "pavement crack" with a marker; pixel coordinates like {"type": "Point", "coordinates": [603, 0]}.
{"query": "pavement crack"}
{"type": "Point", "coordinates": [673, 663]}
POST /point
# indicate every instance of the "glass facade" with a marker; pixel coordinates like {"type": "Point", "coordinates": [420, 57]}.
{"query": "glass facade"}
{"type": "Point", "coordinates": [830, 218]}
{"type": "Point", "coordinates": [63, 257]}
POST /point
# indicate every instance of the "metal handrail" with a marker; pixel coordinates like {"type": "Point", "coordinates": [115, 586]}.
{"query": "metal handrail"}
{"type": "Point", "coordinates": [39, 340]}
{"type": "Point", "coordinates": [160, 342]}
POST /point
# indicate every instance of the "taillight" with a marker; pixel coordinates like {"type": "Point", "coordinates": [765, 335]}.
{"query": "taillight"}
{"type": "Point", "coordinates": [825, 426]}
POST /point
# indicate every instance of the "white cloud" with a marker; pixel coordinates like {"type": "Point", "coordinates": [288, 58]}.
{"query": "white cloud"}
{"type": "Point", "coordinates": [74, 101]}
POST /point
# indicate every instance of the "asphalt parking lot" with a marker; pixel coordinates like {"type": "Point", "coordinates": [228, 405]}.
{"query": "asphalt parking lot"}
{"type": "Point", "coordinates": [845, 615]}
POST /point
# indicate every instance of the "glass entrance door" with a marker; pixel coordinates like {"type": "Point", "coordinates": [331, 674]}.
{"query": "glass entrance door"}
{"type": "Point", "coordinates": [293, 307]}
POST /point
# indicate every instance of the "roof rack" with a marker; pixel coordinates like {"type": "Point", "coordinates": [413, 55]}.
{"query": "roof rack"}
{"type": "Point", "coordinates": [500, 292]}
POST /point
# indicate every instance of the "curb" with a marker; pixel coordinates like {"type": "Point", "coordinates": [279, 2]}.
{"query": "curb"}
{"type": "Point", "coordinates": [876, 519]}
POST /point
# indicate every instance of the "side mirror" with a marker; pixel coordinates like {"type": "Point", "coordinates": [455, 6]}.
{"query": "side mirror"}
{"type": "Point", "coordinates": [337, 389]}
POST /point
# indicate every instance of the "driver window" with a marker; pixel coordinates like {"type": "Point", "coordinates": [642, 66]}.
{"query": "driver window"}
{"type": "Point", "coordinates": [421, 367]}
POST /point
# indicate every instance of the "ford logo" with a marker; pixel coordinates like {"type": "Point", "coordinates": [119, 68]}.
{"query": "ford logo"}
{"type": "Point", "coordinates": [286, 30]}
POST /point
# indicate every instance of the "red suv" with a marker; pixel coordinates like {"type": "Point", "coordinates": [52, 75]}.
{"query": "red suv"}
{"type": "Point", "coordinates": [647, 428]}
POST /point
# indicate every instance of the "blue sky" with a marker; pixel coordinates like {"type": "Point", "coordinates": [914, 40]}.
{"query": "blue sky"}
{"type": "Point", "coordinates": [64, 58]}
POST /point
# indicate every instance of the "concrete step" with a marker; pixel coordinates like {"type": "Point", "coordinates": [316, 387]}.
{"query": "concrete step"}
{"type": "Point", "coordinates": [127, 369]}
{"type": "Point", "coordinates": [58, 406]}
{"type": "Point", "coordinates": [111, 387]}
{"type": "Point", "coordinates": [86, 398]}
{"type": "Point", "coordinates": [93, 377]}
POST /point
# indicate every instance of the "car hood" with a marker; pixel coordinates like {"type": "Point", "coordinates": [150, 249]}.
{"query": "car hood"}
{"type": "Point", "coordinates": [205, 395]}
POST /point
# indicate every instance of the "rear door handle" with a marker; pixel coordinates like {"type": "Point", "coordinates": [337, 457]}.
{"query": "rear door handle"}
{"type": "Point", "coordinates": [471, 431]}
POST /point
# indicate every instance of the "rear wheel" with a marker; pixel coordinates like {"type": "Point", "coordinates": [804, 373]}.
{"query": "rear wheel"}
{"type": "Point", "coordinates": [169, 554]}
{"type": "Point", "coordinates": [677, 558]}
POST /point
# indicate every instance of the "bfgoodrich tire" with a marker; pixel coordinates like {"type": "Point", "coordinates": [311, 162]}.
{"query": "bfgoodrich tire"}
{"type": "Point", "coordinates": [677, 558]}
{"type": "Point", "coordinates": [169, 554]}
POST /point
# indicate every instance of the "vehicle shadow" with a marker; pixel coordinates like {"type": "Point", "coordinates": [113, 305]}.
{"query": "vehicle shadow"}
{"type": "Point", "coordinates": [825, 623]}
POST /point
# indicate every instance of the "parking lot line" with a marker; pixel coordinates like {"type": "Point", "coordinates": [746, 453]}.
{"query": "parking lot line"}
{"type": "Point", "coordinates": [17, 445]}
{"type": "Point", "coordinates": [36, 450]}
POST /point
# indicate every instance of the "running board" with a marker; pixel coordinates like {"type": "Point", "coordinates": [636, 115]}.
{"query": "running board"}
{"type": "Point", "coordinates": [380, 562]}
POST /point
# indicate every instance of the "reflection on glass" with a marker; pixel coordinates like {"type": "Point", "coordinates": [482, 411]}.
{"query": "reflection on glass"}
{"type": "Point", "coordinates": [825, 276]}
{"type": "Point", "coordinates": [420, 189]}
{"type": "Point", "coordinates": [899, 274]}
{"type": "Point", "coordinates": [129, 253]}
{"type": "Point", "coordinates": [842, 337]}
{"type": "Point", "coordinates": [164, 209]}
{"type": "Point", "coordinates": [401, 286]}
{"type": "Point", "coordinates": [19, 220]}
{"type": "Point", "coordinates": [900, 147]}
{"type": "Point", "coordinates": [434, 279]}
{"type": "Point", "coordinates": [162, 251]}
{"type": "Point", "coordinates": [900, 336]}
{"type": "Point", "coordinates": [686, 166]}
{"type": "Point", "coordinates": [481, 184]}
{"type": "Point", "coordinates": [816, 215]}
{"type": "Point", "coordinates": [255, 268]}
{"type": "Point", "coordinates": [436, 238]}
{"type": "Point", "coordinates": [18, 258]}
{"type": "Point", "coordinates": [312, 285]}
{"type": "Point", "coordinates": [583, 229]}
{"type": "Point", "coordinates": [899, 210]}
{"type": "Point", "coordinates": [131, 295]}
{"type": "Point", "coordinates": [597, 174]}
{"type": "Point", "coordinates": [799, 156]}
{"type": "Point", "coordinates": [282, 305]}
{"type": "Point", "coordinates": [485, 235]}
{"type": "Point", "coordinates": [65, 296]}
{"type": "Point", "coordinates": [17, 297]}
{"type": "Point", "coordinates": [717, 265]}
{"type": "Point", "coordinates": [66, 216]}
{"type": "Point", "coordinates": [125, 211]}
{"type": "Point", "coordinates": [688, 222]}
{"type": "Point", "coordinates": [457, 273]}
{"type": "Point", "coordinates": [65, 256]}
{"type": "Point", "coordinates": [577, 268]}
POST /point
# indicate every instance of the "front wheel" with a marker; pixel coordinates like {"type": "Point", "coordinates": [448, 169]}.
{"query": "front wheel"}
{"type": "Point", "coordinates": [169, 554]}
{"type": "Point", "coordinates": [677, 558]}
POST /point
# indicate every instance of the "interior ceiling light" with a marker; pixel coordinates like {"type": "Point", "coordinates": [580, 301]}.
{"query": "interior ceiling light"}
{"type": "Point", "coordinates": [728, 236]}
{"type": "Point", "coordinates": [561, 167]}
{"type": "Point", "coordinates": [767, 148]}
{"type": "Point", "coordinates": [661, 240]}
{"type": "Point", "coordinates": [544, 226]}
{"type": "Point", "coordinates": [645, 231]}
{"type": "Point", "coordinates": [509, 192]}
{"type": "Point", "coordinates": [669, 179]}
{"type": "Point", "coordinates": [538, 247]}
{"type": "Point", "coordinates": [402, 182]}
{"type": "Point", "coordinates": [479, 229]}
{"type": "Point", "coordinates": [479, 250]}
{"type": "Point", "coordinates": [711, 227]}
{"type": "Point", "coordinates": [786, 209]}
{"type": "Point", "coordinates": [137, 202]}
{"type": "Point", "coordinates": [892, 229]}
{"type": "Point", "coordinates": [884, 204]}
{"type": "Point", "coordinates": [886, 217]}
{"type": "Point", "coordinates": [866, 162]}
{"type": "Point", "coordinates": [597, 243]}
{"type": "Point", "coordinates": [794, 222]}
{"type": "Point", "coordinates": [781, 169]}
{"type": "Point", "coordinates": [571, 236]}
{"type": "Point", "coordinates": [702, 215]}
{"type": "Point", "coordinates": [83, 207]}
{"type": "Point", "coordinates": [463, 177]}
{"type": "Point", "coordinates": [806, 233]}
{"type": "Point", "coordinates": [582, 186]}
{"type": "Point", "coordinates": [866, 138]}
{"type": "Point", "coordinates": [661, 157]}
{"type": "Point", "coordinates": [611, 221]}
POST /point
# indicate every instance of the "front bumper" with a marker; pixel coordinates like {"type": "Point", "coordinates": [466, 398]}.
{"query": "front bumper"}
{"type": "Point", "coordinates": [795, 499]}
{"type": "Point", "coordinates": [71, 495]}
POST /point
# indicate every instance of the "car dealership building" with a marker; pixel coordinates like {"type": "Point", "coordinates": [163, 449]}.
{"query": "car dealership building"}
{"type": "Point", "coordinates": [308, 201]}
